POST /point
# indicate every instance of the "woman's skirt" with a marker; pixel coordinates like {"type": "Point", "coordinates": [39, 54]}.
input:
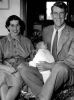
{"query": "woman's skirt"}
{"type": "Point", "coordinates": [10, 79]}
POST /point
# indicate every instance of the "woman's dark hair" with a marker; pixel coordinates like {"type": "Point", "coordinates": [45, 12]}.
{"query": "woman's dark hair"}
{"type": "Point", "coordinates": [60, 4]}
{"type": "Point", "coordinates": [21, 22]}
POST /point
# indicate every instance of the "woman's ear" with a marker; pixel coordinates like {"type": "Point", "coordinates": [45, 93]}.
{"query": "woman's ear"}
{"type": "Point", "coordinates": [8, 29]}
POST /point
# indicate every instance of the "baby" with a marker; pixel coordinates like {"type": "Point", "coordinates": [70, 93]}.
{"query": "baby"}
{"type": "Point", "coordinates": [43, 54]}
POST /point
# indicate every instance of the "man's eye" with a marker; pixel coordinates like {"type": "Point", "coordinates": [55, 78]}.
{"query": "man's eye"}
{"type": "Point", "coordinates": [55, 13]}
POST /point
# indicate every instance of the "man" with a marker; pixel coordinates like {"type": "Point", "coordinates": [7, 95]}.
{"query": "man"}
{"type": "Point", "coordinates": [62, 70]}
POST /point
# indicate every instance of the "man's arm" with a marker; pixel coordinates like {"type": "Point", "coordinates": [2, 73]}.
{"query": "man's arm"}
{"type": "Point", "coordinates": [43, 66]}
{"type": "Point", "coordinates": [70, 57]}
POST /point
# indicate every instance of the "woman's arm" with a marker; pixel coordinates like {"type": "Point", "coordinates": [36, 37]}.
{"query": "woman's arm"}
{"type": "Point", "coordinates": [7, 68]}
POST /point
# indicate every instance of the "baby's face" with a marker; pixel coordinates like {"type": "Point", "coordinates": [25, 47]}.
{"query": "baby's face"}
{"type": "Point", "coordinates": [41, 45]}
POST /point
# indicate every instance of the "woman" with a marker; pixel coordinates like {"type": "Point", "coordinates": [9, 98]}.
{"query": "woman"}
{"type": "Point", "coordinates": [14, 50]}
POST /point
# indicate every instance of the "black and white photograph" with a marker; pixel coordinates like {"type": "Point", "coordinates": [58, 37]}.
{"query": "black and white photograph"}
{"type": "Point", "coordinates": [36, 50]}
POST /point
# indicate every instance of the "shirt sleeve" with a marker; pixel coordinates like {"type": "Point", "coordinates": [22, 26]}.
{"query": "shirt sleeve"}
{"type": "Point", "coordinates": [1, 54]}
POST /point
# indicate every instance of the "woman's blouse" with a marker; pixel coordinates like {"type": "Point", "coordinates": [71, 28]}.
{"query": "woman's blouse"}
{"type": "Point", "coordinates": [14, 51]}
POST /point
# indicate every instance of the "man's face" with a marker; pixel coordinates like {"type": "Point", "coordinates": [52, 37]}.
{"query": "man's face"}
{"type": "Point", "coordinates": [14, 27]}
{"type": "Point", "coordinates": [58, 16]}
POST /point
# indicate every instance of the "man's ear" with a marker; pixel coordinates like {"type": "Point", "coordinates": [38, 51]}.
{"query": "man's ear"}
{"type": "Point", "coordinates": [51, 15]}
{"type": "Point", "coordinates": [66, 16]}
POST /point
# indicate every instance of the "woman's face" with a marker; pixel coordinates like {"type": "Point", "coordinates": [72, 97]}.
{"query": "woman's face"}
{"type": "Point", "coordinates": [14, 27]}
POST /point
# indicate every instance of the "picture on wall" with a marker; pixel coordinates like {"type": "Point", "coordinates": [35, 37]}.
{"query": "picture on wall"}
{"type": "Point", "coordinates": [4, 4]}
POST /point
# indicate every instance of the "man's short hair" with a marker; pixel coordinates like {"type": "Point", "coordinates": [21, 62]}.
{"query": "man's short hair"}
{"type": "Point", "coordinates": [61, 5]}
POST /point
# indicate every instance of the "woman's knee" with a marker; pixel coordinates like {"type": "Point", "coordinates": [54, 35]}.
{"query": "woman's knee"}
{"type": "Point", "coordinates": [17, 80]}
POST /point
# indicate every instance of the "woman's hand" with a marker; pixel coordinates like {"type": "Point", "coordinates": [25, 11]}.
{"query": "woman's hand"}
{"type": "Point", "coordinates": [11, 70]}
{"type": "Point", "coordinates": [7, 68]}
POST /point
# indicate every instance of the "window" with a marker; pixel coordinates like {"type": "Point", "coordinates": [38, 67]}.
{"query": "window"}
{"type": "Point", "coordinates": [48, 9]}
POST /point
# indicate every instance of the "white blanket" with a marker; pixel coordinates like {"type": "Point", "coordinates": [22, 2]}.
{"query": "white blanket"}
{"type": "Point", "coordinates": [42, 55]}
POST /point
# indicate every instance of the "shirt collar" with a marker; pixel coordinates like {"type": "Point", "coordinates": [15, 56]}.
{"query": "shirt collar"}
{"type": "Point", "coordinates": [60, 28]}
{"type": "Point", "coordinates": [10, 37]}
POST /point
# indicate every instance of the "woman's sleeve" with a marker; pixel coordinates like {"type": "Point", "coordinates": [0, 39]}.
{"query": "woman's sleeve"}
{"type": "Point", "coordinates": [1, 54]}
{"type": "Point", "coordinates": [31, 50]}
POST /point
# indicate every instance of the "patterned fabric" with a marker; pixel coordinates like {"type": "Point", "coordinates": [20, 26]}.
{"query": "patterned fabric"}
{"type": "Point", "coordinates": [12, 53]}
{"type": "Point", "coordinates": [64, 94]}
{"type": "Point", "coordinates": [54, 47]}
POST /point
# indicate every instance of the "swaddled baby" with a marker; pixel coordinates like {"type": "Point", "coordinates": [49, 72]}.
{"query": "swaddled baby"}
{"type": "Point", "coordinates": [43, 54]}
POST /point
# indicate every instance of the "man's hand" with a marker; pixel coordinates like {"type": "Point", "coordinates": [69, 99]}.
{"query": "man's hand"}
{"type": "Point", "coordinates": [43, 65]}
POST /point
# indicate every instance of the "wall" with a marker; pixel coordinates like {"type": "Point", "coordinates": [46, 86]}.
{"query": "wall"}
{"type": "Point", "coordinates": [23, 13]}
{"type": "Point", "coordinates": [14, 8]}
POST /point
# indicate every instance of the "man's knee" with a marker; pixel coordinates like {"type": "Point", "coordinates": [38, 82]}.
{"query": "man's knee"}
{"type": "Point", "coordinates": [28, 70]}
{"type": "Point", "coordinates": [60, 72]}
{"type": "Point", "coordinates": [23, 69]}
{"type": "Point", "coordinates": [60, 67]}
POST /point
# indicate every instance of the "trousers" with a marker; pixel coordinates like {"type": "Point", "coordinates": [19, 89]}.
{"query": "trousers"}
{"type": "Point", "coordinates": [32, 77]}
{"type": "Point", "coordinates": [61, 75]}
